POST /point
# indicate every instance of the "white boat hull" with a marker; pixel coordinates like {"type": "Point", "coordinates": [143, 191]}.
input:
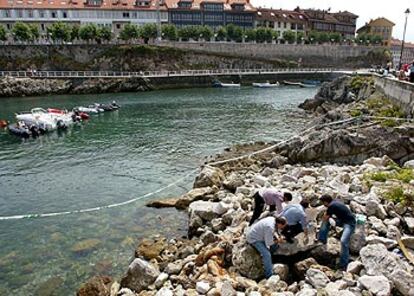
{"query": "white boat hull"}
{"type": "Point", "coordinates": [265, 85]}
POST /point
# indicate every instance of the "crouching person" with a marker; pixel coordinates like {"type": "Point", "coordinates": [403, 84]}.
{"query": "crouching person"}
{"type": "Point", "coordinates": [296, 219]}
{"type": "Point", "coordinates": [262, 237]}
{"type": "Point", "coordinates": [343, 218]}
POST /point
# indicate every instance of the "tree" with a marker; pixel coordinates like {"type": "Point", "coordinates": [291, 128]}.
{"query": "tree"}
{"type": "Point", "coordinates": [313, 37]}
{"type": "Point", "coordinates": [362, 39]}
{"type": "Point", "coordinates": [289, 36]}
{"type": "Point", "coordinates": [21, 32]}
{"type": "Point", "coordinates": [300, 37]}
{"type": "Point", "coordinates": [129, 31]}
{"type": "Point", "coordinates": [74, 32]}
{"type": "Point", "coordinates": [323, 37]}
{"type": "Point", "coordinates": [59, 32]}
{"type": "Point", "coordinates": [249, 35]}
{"type": "Point", "coordinates": [221, 34]}
{"type": "Point", "coordinates": [105, 33]}
{"type": "Point", "coordinates": [3, 33]}
{"type": "Point", "coordinates": [148, 31]}
{"type": "Point", "coordinates": [206, 32]}
{"type": "Point", "coordinates": [89, 32]}
{"type": "Point", "coordinates": [34, 32]}
{"type": "Point", "coordinates": [169, 32]}
{"type": "Point", "coordinates": [234, 33]}
{"type": "Point", "coordinates": [335, 37]}
{"type": "Point", "coordinates": [189, 32]}
{"type": "Point", "coordinates": [264, 35]}
{"type": "Point", "coordinates": [376, 39]}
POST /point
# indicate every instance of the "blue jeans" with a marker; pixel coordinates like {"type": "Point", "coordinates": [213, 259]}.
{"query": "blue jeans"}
{"type": "Point", "coordinates": [345, 238]}
{"type": "Point", "coordinates": [266, 255]}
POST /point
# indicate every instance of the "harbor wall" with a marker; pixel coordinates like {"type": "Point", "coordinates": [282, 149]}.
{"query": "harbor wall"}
{"type": "Point", "coordinates": [401, 92]}
{"type": "Point", "coordinates": [15, 87]}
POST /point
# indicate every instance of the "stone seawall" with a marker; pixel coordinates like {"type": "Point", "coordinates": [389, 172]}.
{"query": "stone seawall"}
{"type": "Point", "coordinates": [15, 87]}
{"type": "Point", "coordinates": [327, 55]}
{"type": "Point", "coordinates": [402, 93]}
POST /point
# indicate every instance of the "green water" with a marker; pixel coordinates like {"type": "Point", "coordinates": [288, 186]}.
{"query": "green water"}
{"type": "Point", "coordinates": [153, 140]}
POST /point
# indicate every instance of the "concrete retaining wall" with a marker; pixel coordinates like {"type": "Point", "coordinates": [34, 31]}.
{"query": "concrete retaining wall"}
{"type": "Point", "coordinates": [401, 92]}
{"type": "Point", "coordinates": [309, 54]}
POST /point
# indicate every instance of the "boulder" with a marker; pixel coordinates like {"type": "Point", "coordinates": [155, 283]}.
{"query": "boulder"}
{"type": "Point", "coordinates": [208, 210]}
{"type": "Point", "coordinates": [150, 249]}
{"type": "Point", "coordinates": [307, 292]}
{"type": "Point", "coordinates": [300, 244]}
{"type": "Point", "coordinates": [354, 267]}
{"type": "Point", "coordinates": [164, 292]}
{"type": "Point", "coordinates": [410, 224]}
{"type": "Point", "coordinates": [233, 181]}
{"type": "Point", "coordinates": [85, 246]}
{"type": "Point", "coordinates": [302, 266]}
{"type": "Point", "coordinates": [408, 241]}
{"type": "Point", "coordinates": [96, 286]}
{"type": "Point", "coordinates": [277, 162]}
{"type": "Point", "coordinates": [202, 287]}
{"type": "Point", "coordinates": [140, 275]}
{"type": "Point", "coordinates": [409, 164]}
{"type": "Point", "coordinates": [161, 279]}
{"type": "Point", "coordinates": [281, 270]}
{"type": "Point", "coordinates": [247, 261]}
{"type": "Point", "coordinates": [163, 203]}
{"type": "Point", "coordinates": [227, 289]}
{"type": "Point", "coordinates": [316, 278]}
{"type": "Point", "coordinates": [389, 243]}
{"type": "Point", "coordinates": [327, 254]}
{"type": "Point", "coordinates": [193, 195]}
{"type": "Point", "coordinates": [377, 285]}
{"type": "Point", "coordinates": [378, 261]}
{"type": "Point", "coordinates": [209, 177]}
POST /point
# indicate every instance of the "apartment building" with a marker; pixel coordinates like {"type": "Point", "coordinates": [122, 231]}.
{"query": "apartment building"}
{"type": "Point", "coordinates": [213, 13]}
{"type": "Point", "coordinates": [112, 13]}
{"type": "Point", "coordinates": [281, 20]}
{"type": "Point", "coordinates": [408, 52]}
{"type": "Point", "coordinates": [381, 27]}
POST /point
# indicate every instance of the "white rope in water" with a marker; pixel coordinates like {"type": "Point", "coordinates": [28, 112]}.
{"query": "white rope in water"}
{"type": "Point", "coordinates": [88, 210]}
{"type": "Point", "coordinates": [95, 209]}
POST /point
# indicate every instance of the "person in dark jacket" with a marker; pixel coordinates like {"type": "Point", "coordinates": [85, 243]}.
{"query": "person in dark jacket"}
{"type": "Point", "coordinates": [343, 218]}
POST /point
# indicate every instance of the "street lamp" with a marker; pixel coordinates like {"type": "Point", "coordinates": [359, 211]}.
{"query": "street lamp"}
{"type": "Point", "coordinates": [407, 12]}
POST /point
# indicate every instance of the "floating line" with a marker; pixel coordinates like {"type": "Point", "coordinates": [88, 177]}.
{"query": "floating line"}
{"type": "Point", "coordinates": [95, 209]}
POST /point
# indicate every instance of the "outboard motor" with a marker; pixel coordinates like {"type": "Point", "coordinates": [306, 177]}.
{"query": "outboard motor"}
{"type": "Point", "coordinates": [61, 125]}
{"type": "Point", "coordinates": [34, 130]}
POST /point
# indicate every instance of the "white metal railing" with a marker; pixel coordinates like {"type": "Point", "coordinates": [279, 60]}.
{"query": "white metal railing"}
{"type": "Point", "coordinates": [123, 74]}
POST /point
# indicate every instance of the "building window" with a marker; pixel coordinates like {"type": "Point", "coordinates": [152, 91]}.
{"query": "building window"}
{"type": "Point", "coordinates": [7, 13]}
{"type": "Point", "coordinates": [94, 2]}
{"type": "Point", "coordinates": [65, 14]}
{"type": "Point", "coordinates": [42, 26]}
{"type": "Point", "coordinates": [182, 4]}
{"type": "Point", "coordinates": [213, 7]}
{"type": "Point", "coordinates": [125, 14]}
{"type": "Point", "coordinates": [54, 14]}
{"type": "Point", "coordinates": [8, 27]}
{"type": "Point", "coordinates": [118, 26]}
{"type": "Point", "coordinates": [41, 14]}
{"type": "Point", "coordinates": [30, 13]}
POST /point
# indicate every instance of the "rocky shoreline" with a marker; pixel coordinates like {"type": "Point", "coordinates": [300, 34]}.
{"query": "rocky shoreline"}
{"type": "Point", "coordinates": [351, 152]}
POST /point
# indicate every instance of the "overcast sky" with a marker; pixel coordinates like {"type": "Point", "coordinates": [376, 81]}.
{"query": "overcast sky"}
{"type": "Point", "coordinates": [366, 9]}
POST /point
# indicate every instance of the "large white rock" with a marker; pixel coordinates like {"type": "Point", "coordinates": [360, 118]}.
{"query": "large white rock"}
{"type": "Point", "coordinates": [378, 261]}
{"type": "Point", "coordinates": [377, 285]}
{"type": "Point", "coordinates": [161, 279]}
{"type": "Point", "coordinates": [164, 292]}
{"type": "Point", "coordinates": [410, 223]}
{"type": "Point", "coordinates": [354, 267]}
{"type": "Point", "coordinates": [307, 292]}
{"type": "Point", "coordinates": [282, 270]}
{"type": "Point", "coordinates": [409, 164]}
{"type": "Point", "coordinates": [208, 210]}
{"type": "Point", "coordinates": [202, 287]}
{"type": "Point", "coordinates": [140, 275]}
{"type": "Point", "coordinates": [247, 261]}
{"type": "Point", "coordinates": [316, 278]}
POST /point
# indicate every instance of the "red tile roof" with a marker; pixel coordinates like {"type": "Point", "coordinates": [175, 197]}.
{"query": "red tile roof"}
{"type": "Point", "coordinates": [280, 15]}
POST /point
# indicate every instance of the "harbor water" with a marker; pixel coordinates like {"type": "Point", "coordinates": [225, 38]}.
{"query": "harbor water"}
{"type": "Point", "coordinates": [153, 140]}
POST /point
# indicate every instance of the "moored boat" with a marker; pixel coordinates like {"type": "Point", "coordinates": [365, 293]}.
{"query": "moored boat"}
{"type": "Point", "coordinates": [230, 85]}
{"type": "Point", "coordinates": [266, 85]}
{"type": "Point", "coordinates": [38, 117]}
{"type": "Point", "coordinates": [20, 130]}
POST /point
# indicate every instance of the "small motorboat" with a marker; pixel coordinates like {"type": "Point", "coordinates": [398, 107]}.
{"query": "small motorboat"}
{"type": "Point", "coordinates": [62, 116]}
{"type": "Point", "coordinates": [266, 85]}
{"type": "Point", "coordinates": [307, 85]}
{"type": "Point", "coordinates": [230, 85]}
{"type": "Point", "coordinates": [38, 117]}
{"type": "Point", "coordinates": [19, 129]}
{"type": "Point", "coordinates": [93, 110]}
{"type": "Point", "coordinates": [285, 82]}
